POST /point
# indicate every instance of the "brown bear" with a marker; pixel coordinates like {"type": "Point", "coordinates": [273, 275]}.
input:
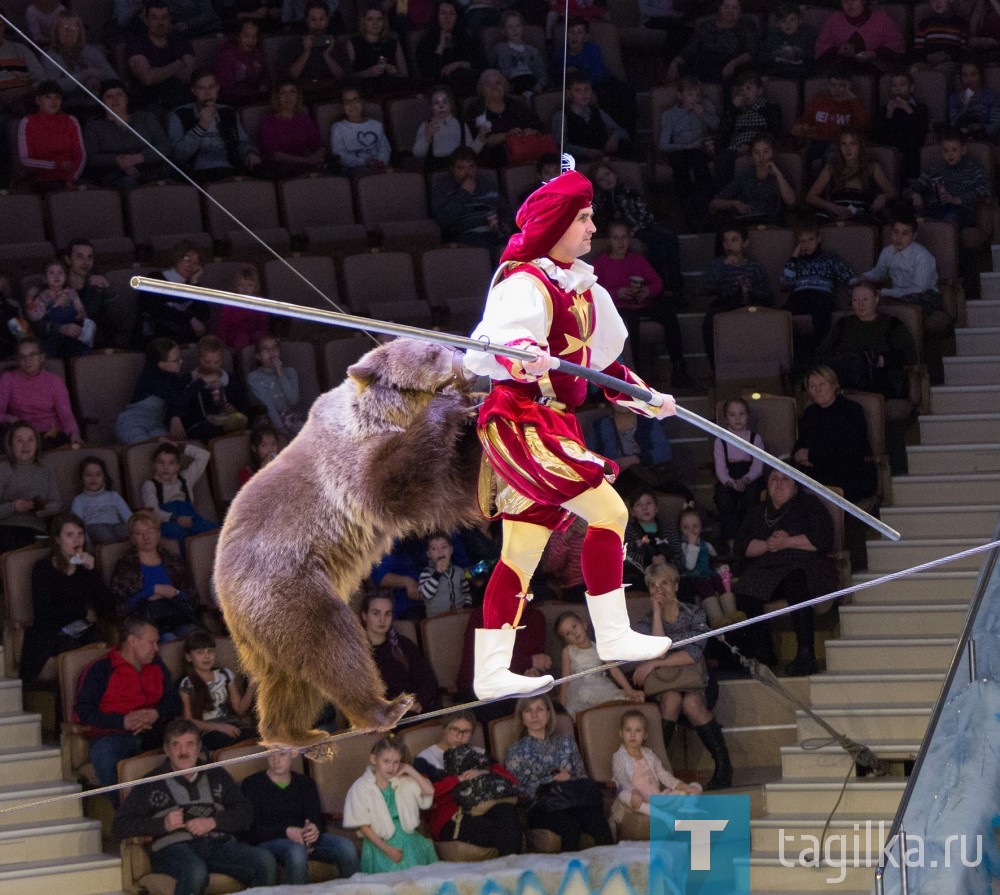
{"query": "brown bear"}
{"type": "Point", "coordinates": [386, 454]}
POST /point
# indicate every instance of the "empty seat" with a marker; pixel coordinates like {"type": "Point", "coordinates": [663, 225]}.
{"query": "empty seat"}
{"type": "Point", "coordinates": [283, 283]}
{"type": "Point", "coordinates": [254, 205]}
{"type": "Point", "coordinates": [857, 244]}
{"type": "Point", "coordinates": [442, 637]}
{"type": "Point", "coordinates": [250, 117]}
{"type": "Point", "coordinates": [320, 212]}
{"type": "Point", "coordinates": [873, 404]}
{"type": "Point", "coordinates": [517, 181]}
{"type": "Point", "coordinates": [334, 778]}
{"type": "Point", "coordinates": [19, 610]}
{"type": "Point", "coordinates": [395, 205]}
{"type": "Point", "coordinates": [74, 744]}
{"type": "Point", "coordinates": [103, 383]}
{"type": "Point", "coordinates": [162, 214]}
{"type": "Point", "coordinates": [785, 93]}
{"type": "Point", "coordinates": [753, 349]}
{"type": "Point", "coordinates": [22, 232]}
{"type": "Point", "coordinates": [230, 454]}
{"type": "Point", "coordinates": [369, 279]}
{"type": "Point", "coordinates": [457, 279]}
{"type": "Point", "coordinates": [200, 555]}
{"type": "Point", "coordinates": [771, 247]}
{"type": "Point", "coordinates": [339, 354]}
{"type": "Point", "coordinates": [93, 214]}
{"type": "Point", "coordinates": [405, 115]}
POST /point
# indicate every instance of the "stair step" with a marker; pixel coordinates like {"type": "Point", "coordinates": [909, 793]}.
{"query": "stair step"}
{"type": "Point", "coordinates": [897, 724]}
{"type": "Point", "coordinates": [17, 795]}
{"type": "Point", "coordinates": [861, 835]}
{"type": "Point", "coordinates": [859, 622]}
{"type": "Point", "coordinates": [84, 875]}
{"type": "Point", "coordinates": [959, 428]}
{"type": "Point", "coordinates": [933, 490]}
{"type": "Point", "coordinates": [874, 690]}
{"type": "Point", "coordinates": [833, 762]}
{"type": "Point", "coordinates": [900, 655]}
{"type": "Point", "coordinates": [767, 874]}
{"type": "Point", "coordinates": [971, 370]}
{"type": "Point", "coordinates": [873, 797]}
{"type": "Point", "coordinates": [929, 522]}
{"type": "Point", "coordinates": [63, 838]}
{"type": "Point", "coordinates": [10, 693]}
{"type": "Point", "coordinates": [963, 398]}
{"type": "Point", "coordinates": [19, 728]}
{"type": "Point", "coordinates": [36, 764]}
{"type": "Point", "coordinates": [953, 459]}
{"type": "Point", "coordinates": [985, 312]}
{"type": "Point", "coordinates": [937, 586]}
{"type": "Point", "coordinates": [892, 556]}
{"type": "Point", "coordinates": [977, 341]}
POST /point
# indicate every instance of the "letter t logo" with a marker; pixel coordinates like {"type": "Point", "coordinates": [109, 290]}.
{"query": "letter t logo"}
{"type": "Point", "coordinates": [701, 839]}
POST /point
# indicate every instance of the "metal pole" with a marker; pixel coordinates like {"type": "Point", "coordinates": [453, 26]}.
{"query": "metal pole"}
{"type": "Point", "coordinates": [903, 882]}
{"type": "Point", "coordinates": [367, 324]}
{"type": "Point", "coordinates": [972, 660]}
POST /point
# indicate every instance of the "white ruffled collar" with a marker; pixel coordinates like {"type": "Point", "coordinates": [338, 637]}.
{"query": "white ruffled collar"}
{"type": "Point", "coordinates": [578, 278]}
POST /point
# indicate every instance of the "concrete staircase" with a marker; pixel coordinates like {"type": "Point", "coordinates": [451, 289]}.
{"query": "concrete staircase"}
{"type": "Point", "coordinates": [52, 848]}
{"type": "Point", "coordinates": [886, 669]}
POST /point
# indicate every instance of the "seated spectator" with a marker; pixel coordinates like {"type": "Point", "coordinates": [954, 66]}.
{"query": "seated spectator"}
{"type": "Point", "coordinates": [902, 122]}
{"type": "Point", "coordinates": [497, 116]}
{"type": "Point", "coordinates": [400, 663]}
{"type": "Point", "coordinates": [498, 827]}
{"type": "Point", "coordinates": [99, 299]}
{"type": "Point", "coordinates": [783, 543]}
{"type": "Point", "coordinates": [207, 138]}
{"type": "Point", "coordinates": [161, 61]}
{"type": "Point", "coordinates": [760, 194]}
{"type": "Point", "coordinates": [735, 280]}
{"type": "Point", "coordinates": [264, 447]}
{"type": "Point", "coordinates": [126, 698]}
{"type": "Point", "coordinates": [542, 758]}
{"type": "Point", "coordinates": [285, 804]}
{"type": "Point", "coordinates": [357, 142]}
{"type": "Point", "coordinates": [586, 56]}
{"type": "Point", "coordinates": [749, 115]}
{"type": "Point", "coordinates": [289, 138]}
{"type": "Point", "coordinates": [116, 157]}
{"type": "Point", "coordinates": [192, 819]}
{"type": "Point", "coordinates": [375, 55]}
{"type": "Point", "coordinates": [852, 186]}
{"type": "Point", "coordinates": [870, 351]}
{"type": "Point", "coordinates": [469, 206]}
{"type": "Point", "coordinates": [867, 38]}
{"type": "Point", "coordinates": [649, 540]}
{"type": "Point", "coordinates": [446, 55]}
{"type": "Point", "coordinates": [615, 201]}
{"type": "Point", "coordinates": [239, 327]}
{"type": "Point", "coordinates": [399, 572]}
{"type": "Point", "coordinates": [183, 321]}
{"type": "Point", "coordinates": [67, 592]}
{"type": "Point", "coordinates": [560, 564]}
{"type": "Point", "coordinates": [940, 38]}
{"type": "Point", "coordinates": [828, 113]}
{"type": "Point", "coordinates": [20, 72]}
{"type": "Point", "coordinates": [953, 189]}
{"type": "Point", "coordinates": [50, 142]}
{"type": "Point", "coordinates": [58, 316]}
{"type": "Point", "coordinates": [276, 387]}
{"type": "Point", "coordinates": [637, 291]}
{"type": "Point", "coordinates": [833, 445]}
{"type": "Point", "coordinates": [240, 67]}
{"type": "Point", "coordinates": [151, 583]}
{"type": "Point", "coordinates": [194, 18]}
{"type": "Point", "coordinates": [443, 584]}
{"type": "Point", "coordinates": [687, 141]}
{"type": "Point", "coordinates": [159, 399]}
{"type": "Point", "coordinates": [813, 275]}
{"type": "Point", "coordinates": [520, 63]}
{"type": "Point", "coordinates": [210, 412]}
{"type": "Point", "coordinates": [787, 49]}
{"type": "Point", "coordinates": [906, 271]}
{"type": "Point", "coordinates": [211, 696]}
{"type": "Point", "coordinates": [738, 473]}
{"type": "Point", "coordinates": [104, 512]}
{"type": "Point", "coordinates": [29, 496]}
{"type": "Point", "coordinates": [590, 132]}
{"type": "Point", "coordinates": [315, 67]}
{"type": "Point", "coordinates": [168, 495]}
{"type": "Point", "coordinates": [85, 62]}
{"type": "Point", "coordinates": [439, 137]}
{"type": "Point", "coordinates": [41, 17]}
{"type": "Point", "coordinates": [720, 47]}
{"type": "Point", "coordinates": [33, 394]}
{"type": "Point", "coordinates": [972, 108]}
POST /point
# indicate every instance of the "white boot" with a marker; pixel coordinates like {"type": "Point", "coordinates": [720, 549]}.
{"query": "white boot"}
{"type": "Point", "coordinates": [616, 641]}
{"type": "Point", "coordinates": [493, 677]}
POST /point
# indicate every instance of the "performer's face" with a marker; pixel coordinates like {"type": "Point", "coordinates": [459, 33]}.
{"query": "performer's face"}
{"type": "Point", "coordinates": [575, 242]}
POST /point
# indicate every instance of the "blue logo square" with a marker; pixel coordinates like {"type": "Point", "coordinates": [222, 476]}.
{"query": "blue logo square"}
{"type": "Point", "coordinates": [699, 845]}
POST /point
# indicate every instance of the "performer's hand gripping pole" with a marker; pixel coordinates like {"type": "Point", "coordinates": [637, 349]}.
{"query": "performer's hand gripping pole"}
{"type": "Point", "coordinates": [366, 324]}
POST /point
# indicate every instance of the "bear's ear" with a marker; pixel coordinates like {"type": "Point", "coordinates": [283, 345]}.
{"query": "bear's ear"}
{"type": "Point", "coordinates": [366, 370]}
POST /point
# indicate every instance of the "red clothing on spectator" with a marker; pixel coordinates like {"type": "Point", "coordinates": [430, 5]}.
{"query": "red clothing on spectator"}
{"type": "Point", "coordinates": [445, 808]}
{"type": "Point", "coordinates": [828, 116]}
{"type": "Point", "coordinates": [239, 327]}
{"type": "Point", "coordinates": [51, 147]}
{"type": "Point", "coordinates": [41, 400]}
{"type": "Point", "coordinates": [614, 274]}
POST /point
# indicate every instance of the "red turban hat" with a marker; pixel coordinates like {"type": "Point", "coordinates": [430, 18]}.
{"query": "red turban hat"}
{"type": "Point", "coordinates": [546, 215]}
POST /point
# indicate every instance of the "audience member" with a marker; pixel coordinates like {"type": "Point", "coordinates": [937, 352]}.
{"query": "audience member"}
{"type": "Point", "coordinates": [589, 132]}
{"type": "Point", "coordinates": [953, 189]}
{"type": "Point", "coordinates": [169, 494]}
{"type": "Point", "coordinates": [211, 696]}
{"type": "Point", "coordinates": [828, 113]}
{"type": "Point", "coordinates": [210, 412]}
{"type": "Point", "coordinates": [721, 45]}
{"type": "Point", "coordinates": [206, 137]}
{"type": "Point", "coordinates": [182, 320]}
{"type": "Point", "coordinates": [67, 592]}
{"type": "Point", "coordinates": [70, 53]}
{"type": "Point", "coordinates": [649, 539]}
{"type": "Point", "coordinates": [440, 136]}
{"type": "Point", "coordinates": [443, 585]}
{"type": "Point", "coordinates": [552, 780]}
{"type": "Point", "coordinates": [469, 206]}
{"type": "Point", "coordinates": [239, 327]}
{"type": "Point", "coordinates": [104, 512]}
{"type": "Point", "coordinates": [520, 62]}
{"type": "Point", "coordinates": [787, 49]}
{"type": "Point", "coordinates": [560, 564]}
{"type": "Point", "coordinates": [125, 698]}
{"type": "Point", "coordinates": [58, 316]}
{"type": "Point", "coordinates": [41, 17]}
{"type": "Point", "coordinates": [159, 399]}
{"type": "Point", "coordinates": [288, 821]}
{"type": "Point", "coordinates": [160, 60]}
{"type": "Point", "coordinates": [264, 447]}
{"type": "Point", "coordinates": [972, 108]}
{"type": "Point", "coordinates": [33, 394]}
{"type": "Point", "coordinates": [905, 270]}
{"type": "Point", "coordinates": [700, 583]}
{"type": "Point", "coordinates": [374, 54]}
{"type": "Point", "coordinates": [446, 55]}
{"type": "Point", "coordinates": [194, 18]}
{"type": "Point", "coordinates": [193, 819]}
{"type": "Point", "coordinates": [95, 292]}
{"type": "Point", "coordinates": [759, 194]}
{"type": "Point", "coordinates": [641, 449]}
{"type": "Point", "coordinates": [867, 38]}
{"type": "Point", "coordinates": [586, 56]}
{"type": "Point", "coordinates": [497, 116]}
{"type": "Point", "coordinates": [940, 38]}
{"type": "Point", "coordinates": [50, 142]}
{"type": "Point", "coordinates": [20, 70]}
{"type": "Point", "coordinates": [153, 583]}
{"type": "Point", "coordinates": [902, 122]}
{"type": "Point", "coordinates": [738, 473]}
{"type": "Point", "coordinates": [116, 157]}
{"type": "Point", "coordinates": [290, 141]}
{"type": "Point", "coordinates": [315, 66]}
{"type": "Point", "coordinates": [29, 496]}
{"type": "Point", "coordinates": [276, 387]}
{"type": "Point", "coordinates": [359, 143]}
{"type": "Point", "coordinates": [240, 68]}
{"type": "Point", "coordinates": [749, 114]}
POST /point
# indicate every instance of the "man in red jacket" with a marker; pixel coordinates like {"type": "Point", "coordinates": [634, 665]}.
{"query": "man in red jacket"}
{"type": "Point", "coordinates": [50, 143]}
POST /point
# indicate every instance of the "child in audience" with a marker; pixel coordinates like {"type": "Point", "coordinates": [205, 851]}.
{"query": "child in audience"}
{"type": "Point", "coordinates": [104, 512]}
{"type": "Point", "coordinates": [41, 17]}
{"type": "Point", "coordinates": [384, 805]}
{"type": "Point", "coordinates": [686, 140]}
{"type": "Point", "coordinates": [276, 387]}
{"type": "Point", "coordinates": [787, 51]}
{"type": "Point", "coordinates": [906, 270]}
{"type": "Point", "coordinates": [952, 189]}
{"type": "Point", "coordinates": [828, 112]}
{"type": "Point", "coordinates": [58, 316]}
{"type": "Point", "coordinates": [443, 585]}
{"type": "Point", "coordinates": [264, 447]}
{"type": "Point", "coordinates": [902, 122]}
{"type": "Point", "coordinates": [359, 143]}
{"type": "Point", "coordinates": [210, 413]}
{"type": "Point", "coordinates": [239, 327]}
{"type": "Point", "coordinates": [521, 63]}
{"type": "Point", "coordinates": [940, 38]}
{"type": "Point", "coordinates": [169, 493]}
{"type": "Point", "coordinates": [700, 583]}
{"type": "Point", "coordinates": [437, 138]}
{"type": "Point", "coordinates": [211, 696]}
{"type": "Point", "coordinates": [738, 473]}
{"type": "Point", "coordinates": [580, 654]}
